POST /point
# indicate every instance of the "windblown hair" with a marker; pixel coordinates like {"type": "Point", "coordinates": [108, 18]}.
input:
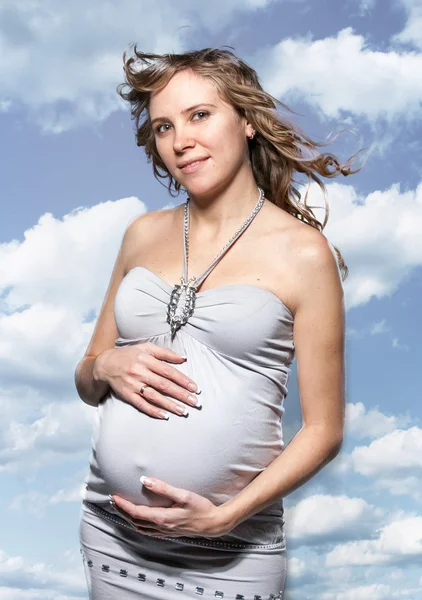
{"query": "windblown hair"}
{"type": "Point", "coordinates": [279, 149]}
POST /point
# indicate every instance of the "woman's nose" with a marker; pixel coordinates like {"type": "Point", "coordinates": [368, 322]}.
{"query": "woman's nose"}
{"type": "Point", "coordinates": [182, 140]}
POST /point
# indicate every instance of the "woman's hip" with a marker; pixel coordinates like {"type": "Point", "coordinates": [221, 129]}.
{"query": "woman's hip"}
{"type": "Point", "coordinates": [120, 563]}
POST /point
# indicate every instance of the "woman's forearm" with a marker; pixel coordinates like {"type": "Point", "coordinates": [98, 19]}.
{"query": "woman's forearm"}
{"type": "Point", "coordinates": [308, 452]}
{"type": "Point", "coordinates": [88, 380]}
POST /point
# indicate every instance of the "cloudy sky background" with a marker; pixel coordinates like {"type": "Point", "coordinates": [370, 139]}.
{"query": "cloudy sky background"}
{"type": "Point", "coordinates": [72, 178]}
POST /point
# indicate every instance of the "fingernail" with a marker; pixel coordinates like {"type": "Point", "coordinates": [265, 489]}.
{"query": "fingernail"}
{"type": "Point", "coordinates": [163, 415]}
{"type": "Point", "coordinates": [195, 400]}
{"type": "Point", "coordinates": [145, 481]}
{"type": "Point", "coordinates": [183, 356]}
{"type": "Point", "coordinates": [182, 410]}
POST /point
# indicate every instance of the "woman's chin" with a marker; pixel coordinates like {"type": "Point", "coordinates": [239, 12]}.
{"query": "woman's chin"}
{"type": "Point", "coordinates": [201, 190]}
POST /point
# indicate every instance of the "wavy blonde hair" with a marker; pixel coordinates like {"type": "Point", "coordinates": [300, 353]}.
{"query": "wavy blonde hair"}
{"type": "Point", "coordinates": [279, 149]}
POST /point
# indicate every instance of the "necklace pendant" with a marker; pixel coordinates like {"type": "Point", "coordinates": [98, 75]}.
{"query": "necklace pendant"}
{"type": "Point", "coordinates": [181, 305]}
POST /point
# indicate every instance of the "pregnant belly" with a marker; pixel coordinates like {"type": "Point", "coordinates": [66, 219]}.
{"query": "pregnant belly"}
{"type": "Point", "coordinates": [212, 452]}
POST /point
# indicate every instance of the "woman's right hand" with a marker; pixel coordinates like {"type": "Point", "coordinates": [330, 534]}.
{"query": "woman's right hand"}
{"type": "Point", "coordinates": [128, 368]}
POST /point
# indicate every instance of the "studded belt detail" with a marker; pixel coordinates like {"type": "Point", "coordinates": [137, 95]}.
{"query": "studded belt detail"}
{"type": "Point", "coordinates": [179, 586]}
{"type": "Point", "coordinates": [186, 540]}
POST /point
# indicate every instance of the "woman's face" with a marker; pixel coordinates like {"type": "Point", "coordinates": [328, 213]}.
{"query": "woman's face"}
{"type": "Point", "coordinates": [212, 131]}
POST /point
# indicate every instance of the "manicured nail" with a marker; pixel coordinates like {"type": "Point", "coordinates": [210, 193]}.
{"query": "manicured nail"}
{"type": "Point", "coordinates": [163, 415]}
{"type": "Point", "coordinates": [195, 400]}
{"type": "Point", "coordinates": [145, 481]}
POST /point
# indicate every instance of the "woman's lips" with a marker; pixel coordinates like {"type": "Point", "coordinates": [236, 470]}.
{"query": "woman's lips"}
{"type": "Point", "coordinates": [192, 167]}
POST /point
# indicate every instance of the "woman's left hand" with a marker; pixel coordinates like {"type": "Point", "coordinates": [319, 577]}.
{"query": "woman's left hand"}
{"type": "Point", "coordinates": [191, 515]}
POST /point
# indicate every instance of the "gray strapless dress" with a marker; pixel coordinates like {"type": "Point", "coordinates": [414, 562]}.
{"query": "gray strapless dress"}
{"type": "Point", "coordinates": [239, 344]}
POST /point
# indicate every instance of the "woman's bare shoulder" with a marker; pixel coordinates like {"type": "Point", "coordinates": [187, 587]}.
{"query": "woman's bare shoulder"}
{"type": "Point", "coordinates": [300, 240]}
{"type": "Point", "coordinates": [151, 222]}
{"type": "Point", "coordinates": [317, 271]}
{"type": "Point", "coordinates": [306, 257]}
{"type": "Point", "coordinates": [143, 231]}
{"type": "Point", "coordinates": [157, 217]}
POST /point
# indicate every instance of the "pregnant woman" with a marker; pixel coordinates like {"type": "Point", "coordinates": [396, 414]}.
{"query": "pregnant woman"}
{"type": "Point", "coordinates": [189, 362]}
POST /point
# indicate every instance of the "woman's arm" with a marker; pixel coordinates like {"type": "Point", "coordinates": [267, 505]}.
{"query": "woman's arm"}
{"type": "Point", "coordinates": [319, 331]}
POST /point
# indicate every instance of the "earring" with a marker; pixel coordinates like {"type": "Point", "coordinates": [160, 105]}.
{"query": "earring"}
{"type": "Point", "coordinates": [252, 135]}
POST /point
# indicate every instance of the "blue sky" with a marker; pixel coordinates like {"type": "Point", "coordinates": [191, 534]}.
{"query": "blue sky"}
{"type": "Point", "coordinates": [73, 178]}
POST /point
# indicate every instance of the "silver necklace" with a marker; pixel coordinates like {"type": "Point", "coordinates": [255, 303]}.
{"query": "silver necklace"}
{"type": "Point", "coordinates": [182, 298]}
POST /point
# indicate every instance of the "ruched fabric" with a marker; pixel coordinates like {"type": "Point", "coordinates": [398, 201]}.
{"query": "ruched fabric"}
{"type": "Point", "coordinates": [239, 348]}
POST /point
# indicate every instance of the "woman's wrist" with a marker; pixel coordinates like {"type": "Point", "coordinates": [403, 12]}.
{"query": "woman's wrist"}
{"type": "Point", "coordinates": [226, 517]}
{"type": "Point", "coordinates": [98, 367]}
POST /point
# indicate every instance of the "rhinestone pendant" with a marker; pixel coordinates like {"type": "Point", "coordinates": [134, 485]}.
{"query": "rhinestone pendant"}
{"type": "Point", "coordinates": [181, 306]}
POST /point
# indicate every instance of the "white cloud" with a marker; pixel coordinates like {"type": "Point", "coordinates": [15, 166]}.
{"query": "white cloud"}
{"type": "Point", "coordinates": [55, 263]}
{"type": "Point", "coordinates": [396, 574]}
{"type": "Point", "coordinates": [324, 518]}
{"type": "Point", "coordinates": [61, 432]}
{"type": "Point", "coordinates": [296, 567]}
{"type": "Point", "coordinates": [363, 423]}
{"type": "Point", "coordinates": [398, 345]}
{"type": "Point", "coordinates": [404, 486]}
{"type": "Point", "coordinates": [375, 591]}
{"type": "Point", "coordinates": [399, 542]}
{"type": "Point", "coordinates": [16, 594]}
{"type": "Point", "coordinates": [396, 452]}
{"type": "Point", "coordinates": [37, 503]}
{"type": "Point", "coordinates": [342, 74]}
{"type": "Point", "coordinates": [33, 503]}
{"type": "Point", "coordinates": [412, 32]}
{"type": "Point", "coordinates": [53, 279]}
{"type": "Point", "coordinates": [73, 65]}
{"type": "Point", "coordinates": [366, 6]}
{"type": "Point", "coordinates": [379, 327]}
{"type": "Point", "coordinates": [22, 580]}
{"type": "Point", "coordinates": [68, 495]}
{"type": "Point", "coordinates": [70, 58]}
{"type": "Point", "coordinates": [45, 299]}
{"type": "Point", "coordinates": [392, 461]}
{"type": "Point", "coordinates": [389, 244]}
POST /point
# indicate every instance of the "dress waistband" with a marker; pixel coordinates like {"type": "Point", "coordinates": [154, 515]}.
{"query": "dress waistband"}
{"type": "Point", "coordinates": [197, 541]}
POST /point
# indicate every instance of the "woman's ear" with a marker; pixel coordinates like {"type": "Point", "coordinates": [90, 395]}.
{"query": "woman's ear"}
{"type": "Point", "coordinates": [250, 132]}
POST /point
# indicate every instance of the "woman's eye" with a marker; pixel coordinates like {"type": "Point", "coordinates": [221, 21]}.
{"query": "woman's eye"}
{"type": "Point", "coordinates": [199, 112]}
{"type": "Point", "coordinates": [157, 129]}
